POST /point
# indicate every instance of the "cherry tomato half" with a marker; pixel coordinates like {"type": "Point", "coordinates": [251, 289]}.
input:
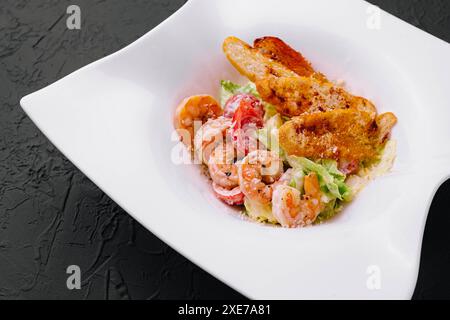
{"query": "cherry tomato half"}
{"type": "Point", "coordinates": [248, 113]}
{"type": "Point", "coordinates": [242, 99]}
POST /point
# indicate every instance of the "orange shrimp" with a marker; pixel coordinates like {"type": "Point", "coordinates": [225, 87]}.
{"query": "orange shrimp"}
{"type": "Point", "coordinates": [293, 210]}
{"type": "Point", "coordinates": [222, 169]}
{"type": "Point", "coordinates": [198, 108]}
{"type": "Point", "coordinates": [211, 134]}
{"type": "Point", "coordinates": [258, 171]}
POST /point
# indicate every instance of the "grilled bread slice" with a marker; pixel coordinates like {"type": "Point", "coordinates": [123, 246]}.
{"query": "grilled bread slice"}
{"type": "Point", "coordinates": [293, 96]}
{"type": "Point", "coordinates": [343, 134]}
{"type": "Point", "coordinates": [251, 63]}
{"type": "Point", "coordinates": [277, 50]}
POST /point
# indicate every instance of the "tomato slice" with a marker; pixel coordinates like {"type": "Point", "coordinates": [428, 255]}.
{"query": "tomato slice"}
{"type": "Point", "coordinates": [233, 197]}
{"type": "Point", "coordinates": [248, 101]}
{"type": "Point", "coordinates": [247, 113]}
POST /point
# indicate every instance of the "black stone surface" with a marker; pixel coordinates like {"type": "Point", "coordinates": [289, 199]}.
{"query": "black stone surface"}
{"type": "Point", "coordinates": [52, 216]}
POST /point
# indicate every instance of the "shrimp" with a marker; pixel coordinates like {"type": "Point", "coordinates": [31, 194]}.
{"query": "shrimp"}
{"type": "Point", "coordinates": [213, 133]}
{"type": "Point", "coordinates": [195, 108]}
{"type": "Point", "coordinates": [291, 209]}
{"type": "Point", "coordinates": [258, 171]}
{"type": "Point", "coordinates": [222, 169]}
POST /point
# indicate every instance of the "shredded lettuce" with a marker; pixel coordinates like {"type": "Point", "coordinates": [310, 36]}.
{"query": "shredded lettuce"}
{"type": "Point", "coordinates": [339, 177]}
{"type": "Point", "coordinates": [331, 180]}
{"type": "Point", "coordinates": [259, 212]}
{"type": "Point", "coordinates": [345, 191]}
{"type": "Point", "coordinates": [269, 134]}
{"type": "Point", "coordinates": [331, 166]}
{"type": "Point", "coordinates": [228, 89]}
{"type": "Point", "coordinates": [330, 211]}
{"type": "Point", "coordinates": [297, 179]}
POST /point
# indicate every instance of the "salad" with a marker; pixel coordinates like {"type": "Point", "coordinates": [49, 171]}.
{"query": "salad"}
{"type": "Point", "coordinates": [289, 146]}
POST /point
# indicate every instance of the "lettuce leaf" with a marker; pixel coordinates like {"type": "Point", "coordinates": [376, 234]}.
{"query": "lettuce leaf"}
{"type": "Point", "coordinates": [228, 89]}
{"type": "Point", "coordinates": [269, 134]}
{"type": "Point", "coordinates": [344, 189]}
{"type": "Point", "coordinates": [331, 209]}
{"type": "Point", "coordinates": [331, 166]}
{"type": "Point", "coordinates": [259, 212]}
{"type": "Point", "coordinates": [331, 180]}
{"type": "Point", "coordinates": [297, 179]}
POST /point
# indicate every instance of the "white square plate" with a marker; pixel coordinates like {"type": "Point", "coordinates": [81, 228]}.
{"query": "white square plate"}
{"type": "Point", "coordinates": [113, 120]}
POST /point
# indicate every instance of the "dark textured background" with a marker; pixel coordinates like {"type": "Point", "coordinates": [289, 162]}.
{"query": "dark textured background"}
{"type": "Point", "coordinates": [52, 216]}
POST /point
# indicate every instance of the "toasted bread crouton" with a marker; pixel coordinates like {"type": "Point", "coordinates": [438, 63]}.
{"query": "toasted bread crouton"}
{"type": "Point", "coordinates": [385, 122]}
{"type": "Point", "coordinates": [294, 96]}
{"type": "Point", "coordinates": [276, 49]}
{"type": "Point", "coordinates": [349, 134]}
{"type": "Point", "coordinates": [251, 63]}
